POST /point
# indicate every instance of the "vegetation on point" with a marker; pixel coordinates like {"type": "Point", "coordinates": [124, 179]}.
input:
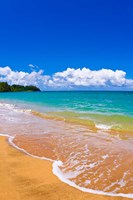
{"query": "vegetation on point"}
{"type": "Point", "coordinates": [4, 87]}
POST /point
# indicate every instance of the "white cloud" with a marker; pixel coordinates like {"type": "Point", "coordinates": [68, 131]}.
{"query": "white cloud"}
{"type": "Point", "coordinates": [33, 67]}
{"type": "Point", "coordinates": [23, 78]}
{"type": "Point", "coordinates": [4, 71]}
{"type": "Point", "coordinates": [68, 79]}
{"type": "Point", "coordinates": [90, 78]}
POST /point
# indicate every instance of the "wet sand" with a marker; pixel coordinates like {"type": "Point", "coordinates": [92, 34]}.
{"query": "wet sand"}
{"type": "Point", "coordinates": [26, 178]}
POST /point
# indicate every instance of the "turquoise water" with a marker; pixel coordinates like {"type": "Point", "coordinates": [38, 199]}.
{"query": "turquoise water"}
{"type": "Point", "coordinates": [102, 109]}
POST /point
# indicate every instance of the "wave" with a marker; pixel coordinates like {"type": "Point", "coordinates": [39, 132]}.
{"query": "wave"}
{"type": "Point", "coordinates": [10, 140]}
{"type": "Point", "coordinates": [94, 121]}
{"type": "Point", "coordinates": [103, 126]}
{"type": "Point", "coordinates": [57, 171]}
{"type": "Point", "coordinates": [61, 176]}
{"type": "Point", "coordinates": [15, 108]}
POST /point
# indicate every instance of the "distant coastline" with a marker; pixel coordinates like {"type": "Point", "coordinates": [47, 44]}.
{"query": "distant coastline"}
{"type": "Point", "coordinates": [5, 87]}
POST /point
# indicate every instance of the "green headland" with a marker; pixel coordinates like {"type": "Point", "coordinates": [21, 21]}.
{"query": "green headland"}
{"type": "Point", "coordinates": [5, 87]}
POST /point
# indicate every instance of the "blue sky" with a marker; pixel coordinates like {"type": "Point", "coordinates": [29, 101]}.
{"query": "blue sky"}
{"type": "Point", "coordinates": [57, 34]}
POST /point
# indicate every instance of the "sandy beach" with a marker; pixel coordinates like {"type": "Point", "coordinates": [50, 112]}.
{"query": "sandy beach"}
{"type": "Point", "coordinates": [26, 178]}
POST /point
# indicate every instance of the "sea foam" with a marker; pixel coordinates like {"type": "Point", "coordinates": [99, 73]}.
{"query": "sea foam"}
{"type": "Point", "coordinates": [103, 126]}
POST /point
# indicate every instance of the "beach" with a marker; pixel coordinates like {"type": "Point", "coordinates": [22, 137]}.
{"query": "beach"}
{"type": "Point", "coordinates": [51, 151]}
{"type": "Point", "coordinates": [27, 178]}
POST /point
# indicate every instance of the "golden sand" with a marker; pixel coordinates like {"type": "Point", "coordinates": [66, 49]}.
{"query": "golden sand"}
{"type": "Point", "coordinates": [26, 178]}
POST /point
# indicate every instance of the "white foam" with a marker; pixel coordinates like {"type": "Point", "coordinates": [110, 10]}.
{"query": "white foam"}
{"type": "Point", "coordinates": [61, 176]}
{"type": "Point", "coordinates": [56, 171]}
{"type": "Point", "coordinates": [92, 165]}
{"type": "Point", "coordinates": [6, 135]}
{"type": "Point", "coordinates": [9, 106]}
{"type": "Point", "coordinates": [15, 108]}
{"type": "Point", "coordinates": [87, 182]}
{"type": "Point", "coordinates": [103, 126]}
{"type": "Point", "coordinates": [105, 156]}
{"type": "Point", "coordinates": [10, 140]}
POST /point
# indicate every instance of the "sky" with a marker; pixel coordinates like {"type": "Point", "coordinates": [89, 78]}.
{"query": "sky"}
{"type": "Point", "coordinates": [62, 36]}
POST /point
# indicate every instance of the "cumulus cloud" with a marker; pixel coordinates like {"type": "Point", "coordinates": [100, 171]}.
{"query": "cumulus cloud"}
{"type": "Point", "coordinates": [23, 78]}
{"type": "Point", "coordinates": [90, 78]}
{"type": "Point", "coordinates": [68, 79]}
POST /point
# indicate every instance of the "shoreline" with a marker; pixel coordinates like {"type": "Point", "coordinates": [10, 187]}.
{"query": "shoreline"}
{"type": "Point", "coordinates": [29, 178]}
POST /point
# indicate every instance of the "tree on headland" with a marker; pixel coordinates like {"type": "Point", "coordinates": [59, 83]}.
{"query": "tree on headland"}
{"type": "Point", "coordinates": [17, 88]}
{"type": "Point", "coordinates": [4, 87]}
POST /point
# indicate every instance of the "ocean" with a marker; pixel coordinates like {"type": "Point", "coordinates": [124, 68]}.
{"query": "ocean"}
{"type": "Point", "coordinates": [87, 135]}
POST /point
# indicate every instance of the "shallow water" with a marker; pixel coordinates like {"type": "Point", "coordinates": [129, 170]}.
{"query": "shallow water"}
{"type": "Point", "coordinates": [108, 110]}
{"type": "Point", "coordinates": [91, 159]}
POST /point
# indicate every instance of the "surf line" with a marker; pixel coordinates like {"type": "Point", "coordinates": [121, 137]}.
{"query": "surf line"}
{"type": "Point", "coordinates": [56, 171]}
